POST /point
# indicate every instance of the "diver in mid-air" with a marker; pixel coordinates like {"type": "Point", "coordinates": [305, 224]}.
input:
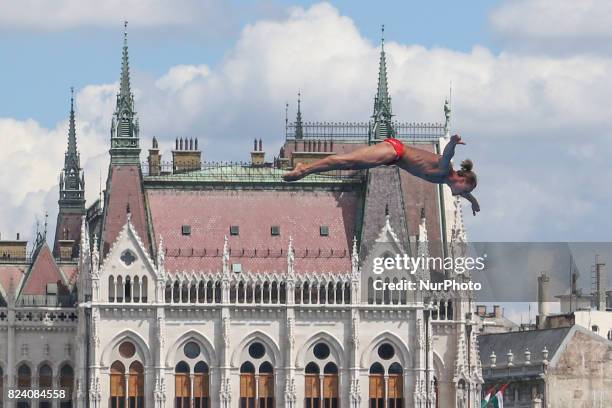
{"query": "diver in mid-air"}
{"type": "Point", "coordinates": [420, 163]}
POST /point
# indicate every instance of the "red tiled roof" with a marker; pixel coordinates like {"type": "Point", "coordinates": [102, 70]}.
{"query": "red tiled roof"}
{"type": "Point", "coordinates": [16, 272]}
{"type": "Point", "coordinates": [124, 188]}
{"type": "Point", "coordinates": [298, 214]}
{"type": "Point", "coordinates": [44, 270]}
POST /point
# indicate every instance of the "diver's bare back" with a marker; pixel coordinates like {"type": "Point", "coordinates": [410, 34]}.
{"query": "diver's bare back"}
{"type": "Point", "coordinates": [423, 164]}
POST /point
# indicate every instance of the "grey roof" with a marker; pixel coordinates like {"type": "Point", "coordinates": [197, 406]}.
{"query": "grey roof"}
{"type": "Point", "coordinates": [534, 340]}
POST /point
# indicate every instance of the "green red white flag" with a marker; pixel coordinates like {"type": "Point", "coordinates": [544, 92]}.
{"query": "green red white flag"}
{"type": "Point", "coordinates": [487, 398]}
{"type": "Point", "coordinates": [498, 399]}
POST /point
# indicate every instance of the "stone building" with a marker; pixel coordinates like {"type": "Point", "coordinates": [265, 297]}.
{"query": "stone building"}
{"type": "Point", "coordinates": [568, 367]}
{"type": "Point", "coordinates": [220, 285]}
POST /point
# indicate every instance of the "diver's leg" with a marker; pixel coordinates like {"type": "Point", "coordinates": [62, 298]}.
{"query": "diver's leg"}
{"type": "Point", "coordinates": [363, 158]}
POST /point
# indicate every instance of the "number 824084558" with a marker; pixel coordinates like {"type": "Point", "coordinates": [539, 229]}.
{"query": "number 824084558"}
{"type": "Point", "coordinates": [30, 393]}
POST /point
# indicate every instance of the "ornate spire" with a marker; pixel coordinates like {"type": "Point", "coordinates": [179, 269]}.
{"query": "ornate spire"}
{"type": "Point", "coordinates": [299, 129]}
{"type": "Point", "coordinates": [125, 145]}
{"type": "Point", "coordinates": [124, 91]}
{"type": "Point", "coordinates": [382, 101]}
{"type": "Point", "coordinates": [71, 177]}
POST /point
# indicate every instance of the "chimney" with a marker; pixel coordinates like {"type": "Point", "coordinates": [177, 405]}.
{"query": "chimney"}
{"type": "Point", "coordinates": [10, 249]}
{"type": "Point", "coordinates": [600, 279]}
{"type": "Point", "coordinates": [154, 159]}
{"type": "Point", "coordinates": [481, 310]}
{"type": "Point", "coordinates": [258, 156]}
{"type": "Point", "coordinates": [543, 284]}
{"type": "Point", "coordinates": [498, 311]}
{"type": "Point", "coordinates": [186, 156]}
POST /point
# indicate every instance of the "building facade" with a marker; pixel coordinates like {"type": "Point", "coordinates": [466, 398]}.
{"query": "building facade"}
{"type": "Point", "coordinates": [219, 285]}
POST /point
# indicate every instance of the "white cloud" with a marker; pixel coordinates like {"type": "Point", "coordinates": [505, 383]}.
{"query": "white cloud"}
{"type": "Point", "coordinates": [526, 118]}
{"type": "Point", "coordinates": [555, 25]}
{"type": "Point", "coordinates": [66, 14]}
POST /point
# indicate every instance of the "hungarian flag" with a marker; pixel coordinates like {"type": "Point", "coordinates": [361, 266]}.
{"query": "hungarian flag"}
{"type": "Point", "coordinates": [498, 399]}
{"type": "Point", "coordinates": [487, 398]}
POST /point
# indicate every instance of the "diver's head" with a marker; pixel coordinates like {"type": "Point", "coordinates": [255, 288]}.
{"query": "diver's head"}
{"type": "Point", "coordinates": [463, 181]}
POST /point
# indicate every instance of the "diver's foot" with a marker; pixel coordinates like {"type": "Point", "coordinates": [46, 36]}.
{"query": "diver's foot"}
{"type": "Point", "coordinates": [297, 173]}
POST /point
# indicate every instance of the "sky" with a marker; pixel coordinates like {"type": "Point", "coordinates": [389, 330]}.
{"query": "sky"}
{"type": "Point", "coordinates": [530, 92]}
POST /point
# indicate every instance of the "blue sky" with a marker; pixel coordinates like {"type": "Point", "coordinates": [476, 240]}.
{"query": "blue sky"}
{"type": "Point", "coordinates": [39, 66]}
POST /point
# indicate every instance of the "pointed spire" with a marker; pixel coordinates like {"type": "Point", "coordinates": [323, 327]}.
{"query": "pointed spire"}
{"type": "Point", "coordinates": [299, 129]}
{"type": "Point", "coordinates": [290, 257]}
{"type": "Point", "coordinates": [382, 101]}
{"type": "Point", "coordinates": [355, 258]}
{"type": "Point", "coordinates": [72, 142]}
{"type": "Point", "coordinates": [226, 255]}
{"type": "Point", "coordinates": [124, 91]}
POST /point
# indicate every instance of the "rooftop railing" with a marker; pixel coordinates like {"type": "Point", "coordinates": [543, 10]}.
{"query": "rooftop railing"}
{"type": "Point", "coordinates": [361, 131]}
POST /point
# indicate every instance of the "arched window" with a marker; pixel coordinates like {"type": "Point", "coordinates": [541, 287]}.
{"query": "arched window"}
{"type": "Point", "coordinates": [144, 290]}
{"type": "Point", "coordinates": [136, 290]}
{"type": "Point", "coordinates": [119, 289]}
{"type": "Point", "coordinates": [370, 290]}
{"type": "Point", "coordinates": [136, 386]}
{"type": "Point", "coordinates": [396, 386]}
{"type": "Point", "coordinates": [182, 385]}
{"type": "Point", "coordinates": [387, 292]}
{"type": "Point", "coordinates": [201, 387]}
{"type": "Point", "coordinates": [266, 385]}
{"type": "Point", "coordinates": [45, 380]}
{"type": "Point", "coordinates": [330, 386]}
{"type": "Point", "coordinates": [117, 385]}
{"type": "Point", "coordinates": [377, 386]}
{"type": "Point", "coordinates": [111, 288]}
{"type": "Point", "coordinates": [247, 385]}
{"type": "Point", "coordinates": [610, 334]}
{"type": "Point", "coordinates": [128, 289]}
{"type": "Point", "coordinates": [257, 378]}
{"type": "Point", "coordinates": [312, 393]}
{"type": "Point", "coordinates": [176, 292]}
{"type": "Point", "coordinates": [386, 391]}
{"type": "Point", "coordinates": [66, 383]}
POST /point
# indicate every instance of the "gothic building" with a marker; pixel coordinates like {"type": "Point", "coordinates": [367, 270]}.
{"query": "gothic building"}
{"type": "Point", "coordinates": [219, 285]}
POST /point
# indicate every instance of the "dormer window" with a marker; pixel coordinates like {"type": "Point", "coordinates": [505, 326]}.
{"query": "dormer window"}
{"type": "Point", "coordinates": [186, 230]}
{"type": "Point", "coordinates": [128, 258]}
{"type": "Point", "coordinates": [234, 230]}
{"type": "Point", "coordinates": [324, 230]}
{"type": "Point", "coordinates": [275, 230]}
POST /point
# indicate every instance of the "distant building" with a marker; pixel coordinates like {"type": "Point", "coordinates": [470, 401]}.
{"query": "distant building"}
{"type": "Point", "coordinates": [552, 368]}
{"type": "Point", "coordinates": [495, 321]}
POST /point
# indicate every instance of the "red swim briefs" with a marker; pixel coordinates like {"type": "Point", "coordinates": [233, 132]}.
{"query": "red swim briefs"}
{"type": "Point", "coordinates": [398, 146]}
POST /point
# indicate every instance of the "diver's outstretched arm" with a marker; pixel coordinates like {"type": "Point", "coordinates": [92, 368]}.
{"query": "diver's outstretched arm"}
{"type": "Point", "coordinates": [473, 201]}
{"type": "Point", "coordinates": [363, 158]}
{"type": "Point", "coordinates": [449, 150]}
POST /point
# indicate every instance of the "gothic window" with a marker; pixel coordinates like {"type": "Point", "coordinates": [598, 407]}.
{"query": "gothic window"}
{"type": "Point", "coordinates": [247, 385]}
{"type": "Point", "coordinates": [117, 385]}
{"type": "Point", "coordinates": [128, 257]}
{"type": "Point", "coordinates": [312, 394]}
{"type": "Point", "coordinates": [45, 380]}
{"type": "Point", "coordinates": [128, 289]}
{"type": "Point", "coordinates": [330, 386]}
{"type": "Point", "coordinates": [136, 291]}
{"type": "Point", "coordinates": [119, 289]}
{"type": "Point", "coordinates": [256, 378]}
{"type": "Point", "coordinates": [201, 385]}
{"type": "Point", "coordinates": [370, 290]}
{"type": "Point", "coordinates": [377, 386]}
{"type": "Point", "coordinates": [386, 385]}
{"type": "Point", "coordinates": [396, 385]}
{"type": "Point", "coordinates": [144, 289]}
{"type": "Point", "coordinates": [66, 383]}
{"type": "Point", "coordinates": [136, 385]}
{"type": "Point", "coordinates": [111, 288]}
{"type": "Point", "coordinates": [182, 385]}
{"type": "Point", "coordinates": [266, 385]}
